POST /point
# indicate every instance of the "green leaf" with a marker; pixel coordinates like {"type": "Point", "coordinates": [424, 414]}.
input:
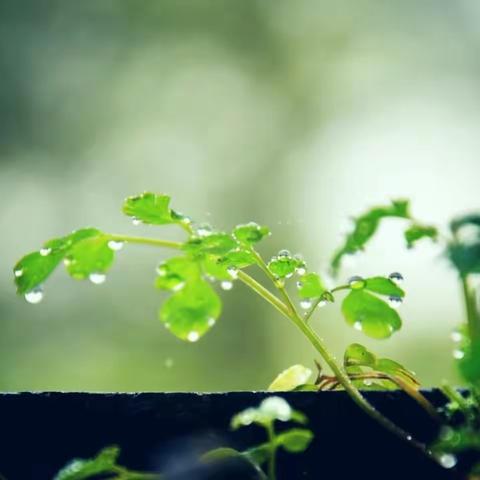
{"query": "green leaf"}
{"type": "Point", "coordinates": [238, 258]}
{"type": "Point", "coordinates": [471, 219]}
{"type": "Point", "coordinates": [295, 440]}
{"type": "Point", "coordinates": [192, 311]}
{"type": "Point", "coordinates": [358, 355]}
{"type": "Point", "coordinates": [365, 227]}
{"type": "Point", "coordinates": [383, 286]}
{"type": "Point", "coordinates": [250, 233]}
{"type": "Point", "coordinates": [212, 267]}
{"type": "Point", "coordinates": [91, 255]}
{"type": "Point", "coordinates": [395, 369]}
{"type": "Point", "coordinates": [217, 266]}
{"type": "Point", "coordinates": [469, 364]}
{"type": "Point", "coordinates": [33, 269]}
{"type": "Point", "coordinates": [370, 314]}
{"type": "Point", "coordinates": [290, 379]}
{"type": "Point", "coordinates": [79, 469]}
{"type": "Point", "coordinates": [284, 265]}
{"type": "Point", "coordinates": [225, 454]}
{"type": "Point", "coordinates": [416, 232]}
{"type": "Point", "coordinates": [218, 243]}
{"type": "Point", "coordinates": [175, 272]}
{"type": "Point", "coordinates": [270, 409]}
{"type": "Point", "coordinates": [465, 258]}
{"type": "Point", "coordinates": [151, 208]}
{"type": "Point", "coordinates": [310, 286]}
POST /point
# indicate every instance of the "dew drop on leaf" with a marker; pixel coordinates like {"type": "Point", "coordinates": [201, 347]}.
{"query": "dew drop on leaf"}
{"type": "Point", "coordinates": [226, 285]}
{"type": "Point", "coordinates": [396, 277]}
{"type": "Point", "coordinates": [447, 460]}
{"type": "Point", "coordinates": [357, 326]}
{"type": "Point", "coordinates": [35, 295]}
{"type": "Point", "coordinates": [306, 303]}
{"type": "Point", "coordinates": [456, 336]}
{"type": "Point", "coordinates": [179, 286]}
{"type": "Point", "coordinates": [458, 354]}
{"type": "Point", "coordinates": [284, 253]}
{"type": "Point", "coordinates": [97, 278]}
{"type": "Point", "coordinates": [18, 273]}
{"type": "Point", "coordinates": [394, 301]}
{"type": "Point", "coordinates": [204, 230]}
{"type": "Point", "coordinates": [367, 383]}
{"type": "Point", "coordinates": [115, 245]}
{"type": "Point", "coordinates": [356, 282]}
{"type": "Point", "coordinates": [136, 222]}
{"type": "Point", "coordinates": [301, 271]}
{"type": "Point", "coordinates": [211, 322]}
{"type": "Point", "coordinates": [45, 251]}
{"type": "Point", "coordinates": [193, 336]}
{"type": "Point", "coordinates": [233, 272]}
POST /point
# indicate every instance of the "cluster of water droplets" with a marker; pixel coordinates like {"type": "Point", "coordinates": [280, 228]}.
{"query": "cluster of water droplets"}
{"type": "Point", "coordinates": [457, 336]}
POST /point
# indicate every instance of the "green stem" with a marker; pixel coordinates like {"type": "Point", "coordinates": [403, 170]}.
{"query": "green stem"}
{"type": "Point", "coordinates": [341, 375]}
{"type": "Point", "coordinates": [472, 311]}
{"type": "Point", "coordinates": [273, 451]}
{"type": "Point", "coordinates": [321, 297]}
{"type": "Point", "coordinates": [145, 241]}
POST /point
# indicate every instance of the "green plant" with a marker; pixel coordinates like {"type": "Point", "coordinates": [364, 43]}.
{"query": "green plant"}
{"type": "Point", "coordinates": [208, 256]}
{"type": "Point", "coordinates": [272, 409]}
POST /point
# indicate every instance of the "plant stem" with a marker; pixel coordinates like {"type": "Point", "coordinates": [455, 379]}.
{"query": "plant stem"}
{"type": "Point", "coordinates": [273, 451]}
{"type": "Point", "coordinates": [341, 375]}
{"type": "Point", "coordinates": [145, 241]}
{"type": "Point", "coordinates": [472, 311]}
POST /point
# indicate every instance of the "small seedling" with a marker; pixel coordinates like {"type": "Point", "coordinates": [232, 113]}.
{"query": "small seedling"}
{"type": "Point", "coordinates": [208, 257]}
{"type": "Point", "coordinates": [272, 409]}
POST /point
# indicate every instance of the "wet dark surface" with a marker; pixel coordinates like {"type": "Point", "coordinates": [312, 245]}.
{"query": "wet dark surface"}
{"type": "Point", "coordinates": [40, 432]}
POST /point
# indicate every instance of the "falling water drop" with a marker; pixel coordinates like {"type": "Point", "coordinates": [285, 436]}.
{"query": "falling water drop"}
{"type": "Point", "coordinates": [97, 278]}
{"type": "Point", "coordinates": [226, 285]}
{"type": "Point", "coordinates": [193, 336]}
{"type": "Point", "coordinates": [35, 295]}
{"type": "Point", "coordinates": [115, 245]}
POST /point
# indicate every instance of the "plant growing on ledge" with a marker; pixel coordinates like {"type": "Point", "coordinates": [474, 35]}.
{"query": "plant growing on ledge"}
{"type": "Point", "coordinates": [208, 256]}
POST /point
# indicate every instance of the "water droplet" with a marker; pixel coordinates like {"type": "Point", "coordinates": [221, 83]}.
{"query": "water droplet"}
{"type": "Point", "coordinates": [357, 326]}
{"type": "Point", "coordinates": [178, 286]}
{"type": "Point", "coordinates": [289, 275]}
{"type": "Point", "coordinates": [301, 271]}
{"type": "Point", "coordinates": [67, 261]}
{"type": "Point", "coordinates": [136, 222]}
{"type": "Point", "coordinates": [299, 284]}
{"type": "Point", "coordinates": [456, 336]}
{"type": "Point", "coordinates": [45, 251]}
{"type": "Point", "coordinates": [211, 322]}
{"type": "Point", "coordinates": [169, 362]}
{"type": "Point", "coordinates": [233, 272]}
{"type": "Point", "coordinates": [322, 303]}
{"type": "Point", "coordinates": [35, 295]}
{"type": "Point", "coordinates": [367, 382]}
{"type": "Point", "coordinates": [458, 354]}
{"type": "Point", "coordinates": [97, 278]}
{"type": "Point", "coordinates": [284, 253]}
{"type": "Point", "coordinates": [356, 282]}
{"type": "Point", "coordinates": [18, 273]}
{"type": "Point", "coordinates": [193, 336]}
{"type": "Point", "coordinates": [115, 245]}
{"type": "Point", "coordinates": [447, 460]}
{"type": "Point", "coordinates": [204, 230]}
{"type": "Point", "coordinates": [409, 438]}
{"type": "Point", "coordinates": [226, 285]}
{"type": "Point", "coordinates": [394, 301]}
{"type": "Point", "coordinates": [306, 303]}
{"type": "Point", "coordinates": [396, 277]}
{"type": "Point", "coordinates": [161, 270]}
{"type": "Point", "coordinates": [167, 325]}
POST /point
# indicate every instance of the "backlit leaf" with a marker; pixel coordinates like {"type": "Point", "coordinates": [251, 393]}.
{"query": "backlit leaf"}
{"type": "Point", "coordinates": [150, 208]}
{"type": "Point", "coordinates": [383, 286]}
{"type": "Point", "coordinates": [250, 233]}
{"type": "Point", "coordinates": [310, 286]}
{"type": "Point", "coordinates": [290, 379]}
{"type": "Point", "coordinates": [295, 440]}
{"type": "Point", "coordinates": [177, 271]}
{"type": "Point", "coordinates": [370, 314]}
{"type": "Point", "coordinates": [358, 355]}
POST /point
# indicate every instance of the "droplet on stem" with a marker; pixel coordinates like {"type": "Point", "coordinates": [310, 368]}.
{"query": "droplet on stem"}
{"type": "Point", "coordinates": [306, 303]}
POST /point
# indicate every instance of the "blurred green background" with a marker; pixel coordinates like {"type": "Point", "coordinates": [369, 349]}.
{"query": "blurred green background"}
{"type": "Point", "coordinates": [293, 114]}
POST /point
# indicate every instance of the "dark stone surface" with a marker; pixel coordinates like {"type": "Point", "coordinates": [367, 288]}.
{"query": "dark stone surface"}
{"type": "Point", "coordinates": [40, 432]}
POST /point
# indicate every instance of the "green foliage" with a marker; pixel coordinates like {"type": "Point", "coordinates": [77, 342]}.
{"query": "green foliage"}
{"type": "Point", "coordinates": [284, 264]}
{"type": "Point", "coordinates": [365, 227]}
{"type": "Point", "coordinates": [151, 208]}
{"type": "Point", "coordinates": [368, 313]}
{"type": "Point", "coordinates": [290, 379]}
{"type": "Point", "coordinates": [416, 232]}
{"type": "Point", "coordinates": [250, 233]}
{"type": "Point", "coordinates": [104, 464]}
{"type": "Point", "coordinates": [310, 286]}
